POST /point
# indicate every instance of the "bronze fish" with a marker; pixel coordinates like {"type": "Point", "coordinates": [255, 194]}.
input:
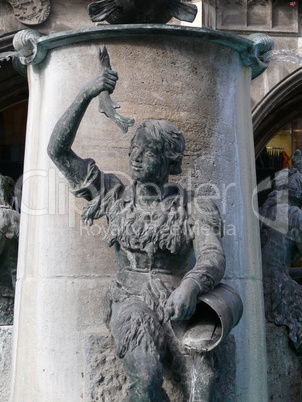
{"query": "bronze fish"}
{"type": "Point", "coordinates": [106, 104]}
{"type": "Point", "coordinates": [141, 11]}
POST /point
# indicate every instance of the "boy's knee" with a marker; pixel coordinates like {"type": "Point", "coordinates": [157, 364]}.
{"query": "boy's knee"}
{"type": "Point", "coordinates": [145, 374]}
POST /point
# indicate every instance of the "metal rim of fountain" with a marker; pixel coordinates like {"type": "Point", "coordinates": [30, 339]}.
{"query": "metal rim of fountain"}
{"type": "Point", "coordinates": [33, 47]}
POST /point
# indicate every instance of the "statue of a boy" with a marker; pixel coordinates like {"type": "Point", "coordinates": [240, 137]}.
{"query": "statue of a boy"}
{"type": "Point", "coordinates": [155, 228]}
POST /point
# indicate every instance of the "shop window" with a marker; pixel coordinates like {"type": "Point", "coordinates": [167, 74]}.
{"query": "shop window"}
{"type": "Point", "coordinates": [278, 152]}
{"type": "Point", "coordinates": [12, 139]}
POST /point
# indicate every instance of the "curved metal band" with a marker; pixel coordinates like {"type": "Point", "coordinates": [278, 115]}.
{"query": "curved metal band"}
{"type": "Point", "coordinates": [33, 47]}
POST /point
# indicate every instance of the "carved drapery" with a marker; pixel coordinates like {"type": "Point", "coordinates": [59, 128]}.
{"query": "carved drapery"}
{"type": "Point", "coordinates": [258, 15]}
{"type": "Point", "coordinates": [30, 12]}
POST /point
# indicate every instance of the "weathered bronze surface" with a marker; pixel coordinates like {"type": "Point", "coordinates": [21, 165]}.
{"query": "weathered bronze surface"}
{"type": "Point", "coordinates": [155, 228]}
{"type": "Point", "coordinates": [33, 48]}
{"type": "Point", "coordinates": [141, 11]}
{"type": "Point", "coordinates": [106, 105]}
{"type": "Point", "coordinates": [281, 242]}
{"type": "Point", "coordinates": [9, 234]}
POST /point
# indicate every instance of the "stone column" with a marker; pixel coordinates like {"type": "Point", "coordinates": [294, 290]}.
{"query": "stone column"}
{"type": "Point", "coordinates": [199, 80]}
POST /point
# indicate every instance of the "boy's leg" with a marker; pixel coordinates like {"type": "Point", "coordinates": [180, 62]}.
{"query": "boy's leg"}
{"type": "Point", "coordinates": [139, 341]}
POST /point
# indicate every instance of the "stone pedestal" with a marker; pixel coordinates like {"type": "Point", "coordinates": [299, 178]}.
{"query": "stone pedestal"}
{"type": "Point", "coordinates": [104, 375]}
{"type": "Point", "coordinates": [105, 378]}
{"type": "Point", "coordinates": [200, 81]}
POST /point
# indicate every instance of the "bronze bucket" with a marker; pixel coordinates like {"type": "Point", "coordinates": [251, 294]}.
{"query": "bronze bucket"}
{"type": "Point", "coordinates": [217, 313]}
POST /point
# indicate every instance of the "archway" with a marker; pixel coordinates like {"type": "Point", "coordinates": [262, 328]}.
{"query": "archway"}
{"type": "Point", "coordinates": [281, 105]}
{"type": "Point", "coordinates": [13, 112]}
{"type": "Point", "coordinates": [275, 114]}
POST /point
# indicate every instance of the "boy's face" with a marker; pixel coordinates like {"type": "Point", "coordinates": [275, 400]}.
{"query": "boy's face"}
{"type": "Point", "coordinates": [148, 163]}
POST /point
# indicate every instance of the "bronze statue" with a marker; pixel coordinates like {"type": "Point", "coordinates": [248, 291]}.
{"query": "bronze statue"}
{"type": "Point", "coordinates": [9, 235]}
{"type": "Point", "coordinates": [155, 227]}
{"type": "Point", "coordinates": [141, 11]}
{"type": "Point", "coordinates": [281, 242]}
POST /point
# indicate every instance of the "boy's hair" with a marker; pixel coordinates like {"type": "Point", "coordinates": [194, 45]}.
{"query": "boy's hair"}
{"type": "Point", "coordinates": [169, 138]}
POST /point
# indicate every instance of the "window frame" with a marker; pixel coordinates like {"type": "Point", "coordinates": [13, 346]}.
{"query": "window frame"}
{"type": "Point", "coordinates": [292, 28]}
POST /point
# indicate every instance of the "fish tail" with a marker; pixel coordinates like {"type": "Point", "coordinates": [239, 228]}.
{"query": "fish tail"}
{"type": "Point", "coordinates": [100, 10]}
{"type": "Point", "coordinates": [104, 58]}
{"type": "Point", "coordinates": [181, 11]}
